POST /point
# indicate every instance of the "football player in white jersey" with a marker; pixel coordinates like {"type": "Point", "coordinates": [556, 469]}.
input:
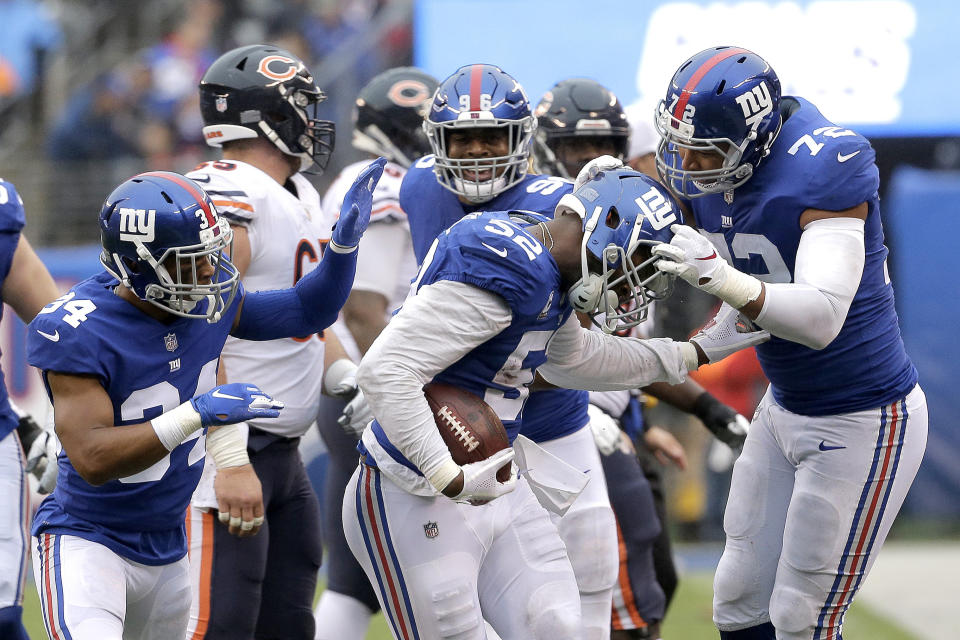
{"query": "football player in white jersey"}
{"type": "Point", "coordinates": [246, 585]}
{"type": "Point", "coordinates": [387, 122]}
{"type": "Point", "coordinates": [26, 286]}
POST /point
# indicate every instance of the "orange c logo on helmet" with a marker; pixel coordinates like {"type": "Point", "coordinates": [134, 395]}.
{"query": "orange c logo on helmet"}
{"type": "Point", "coordinates": [408, 93]}
{"type": "Point", "coordinates": [290, 67]}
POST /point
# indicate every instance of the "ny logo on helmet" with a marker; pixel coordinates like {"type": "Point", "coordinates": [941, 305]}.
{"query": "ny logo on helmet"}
{"type": "Point", "coordinates": [756, 104]}
{"type": "Point", "coordinates": [137, 224]}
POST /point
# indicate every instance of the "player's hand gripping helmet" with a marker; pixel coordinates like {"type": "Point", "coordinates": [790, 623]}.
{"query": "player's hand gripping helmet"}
{"type": "Point", "coordinates": [260, 90]}
{"type": "Point", "coordinates": [724, 100]}
{"type": "Point", "coordinates": [156, 229]}
{"type": "Point", "coordinates": [388, 116]}
{"type": "Point", "coordinates": [625, 214]}
{"type": "Point", "coordinates": [577, 110]}
{"type": "Point", "coordinates": [480, 96]}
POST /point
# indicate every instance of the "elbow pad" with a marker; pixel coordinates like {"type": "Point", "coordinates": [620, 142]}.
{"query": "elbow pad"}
{"type": "Point", "coordinates": [308, 307]}
{"type": "Point", "coordinates": [811, 310]}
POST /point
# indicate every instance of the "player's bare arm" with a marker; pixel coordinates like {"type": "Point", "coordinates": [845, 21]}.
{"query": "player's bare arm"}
{"type": "Point", "coordinates": [28, 286]}
{"type": "Point", "coordinates": [99, 450]}
{"type": "Point", "coordinates": [365, 315]}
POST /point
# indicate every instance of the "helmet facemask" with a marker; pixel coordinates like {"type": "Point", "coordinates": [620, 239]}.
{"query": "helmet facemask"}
{"type": "Point", "coordinates": [505, 171]}
{"type": "Point", "coordinates": [179, 292]}
{"type": "Point", "coordinates": [298, 131]}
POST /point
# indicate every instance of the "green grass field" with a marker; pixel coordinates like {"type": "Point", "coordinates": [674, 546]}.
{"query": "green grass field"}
{"type": "Point", "coordinates": [688, 618]}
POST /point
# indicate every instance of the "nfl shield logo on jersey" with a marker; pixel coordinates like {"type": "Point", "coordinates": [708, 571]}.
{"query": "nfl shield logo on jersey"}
{"type": "Point", "coordinates": [170, 341]}
{"type": "Point", "coordinates": [431, 530]}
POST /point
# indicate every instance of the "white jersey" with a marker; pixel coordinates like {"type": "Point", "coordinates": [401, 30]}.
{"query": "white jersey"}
{"type": "Point", "coordinates": [287, 234]}
{"type": "Point", "coordinates": [385, 263]}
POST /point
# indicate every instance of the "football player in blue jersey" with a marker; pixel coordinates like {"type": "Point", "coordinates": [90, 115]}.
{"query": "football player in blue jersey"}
{"type": "Point", "coordinates": [129, 360]}
{"type": "Point", "coordinates": [26, 285]}
{"type": "Point", "coordinates": [790, 234]}
{"type": "Point", "coordinates": [480, 128]}
{"type": "Point", "coordinates": [494, 304]}
{"type": "Point", "coordinates": [578, 120]}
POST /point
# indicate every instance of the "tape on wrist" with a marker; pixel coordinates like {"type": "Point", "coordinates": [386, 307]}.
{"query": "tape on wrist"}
{"type": "Point", "coordinates": [689, 354]}
{"type": "Point", "coordinates": [737, 288]}
{"type": "Point", "coordinates": [444, 474]}
{"type": "Point", "coordinates": [228, 446]}
{"type": "Point", "coordinates": [174, 426]}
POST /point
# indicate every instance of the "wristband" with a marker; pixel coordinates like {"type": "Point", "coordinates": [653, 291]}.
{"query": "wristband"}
{"type": "Point", "coordinates": [176, 425]}
{"type": "Point", "coordinates": [339, 248]}
{"type": "Point", "coordinates": [228, 446]}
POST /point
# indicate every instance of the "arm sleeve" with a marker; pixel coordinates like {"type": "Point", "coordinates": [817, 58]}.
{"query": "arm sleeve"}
{"type": "Point", "coordinates": [578, 358]}
{"type": "Point", "coordinates": [811, 310]}
{"type": "Point", "coordinates": [434, 329]}
{"type": "Point", "coordinates": [309, 306]}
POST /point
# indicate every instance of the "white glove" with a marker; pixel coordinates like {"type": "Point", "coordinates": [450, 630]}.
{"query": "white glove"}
{"type": "Point", "coordinates": [340, 380]}
{"type": "Point", "coordinates": [606, 431]}
{"type": "Point", "coordinates": [693, 258]}
{"type": "Point", "coordinates": [42, 460]}
{"type": "Point", "coordinates": [356, 415]}
{"type": "Point", "coordinates": [595, 166]}
{"type": "Point", "coordinates": [728, 332]}
{"type": "Point", "coordinates": [480, 484]}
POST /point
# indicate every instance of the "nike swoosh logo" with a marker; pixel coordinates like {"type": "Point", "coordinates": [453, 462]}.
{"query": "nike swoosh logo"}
{"type": "Point", "coordinates": [709, 257]}
{"type": "Point", "coordinates": [207, 179]}
{"type": "Point", "coordinates": [500, 252]}
{"type": "Point", "coordinates": [826, 447]}
{"type": "Point", "coordinates": [217, 394]}
{"type": "Point", "coordinates": [52, 337]}
{"type": "Point", "coordinates": [844, 158]}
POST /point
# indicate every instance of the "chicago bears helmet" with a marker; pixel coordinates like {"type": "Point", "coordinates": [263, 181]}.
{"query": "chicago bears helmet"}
{"type": "Point", "coordinates": [480, 96]}
{"type": "Point", "coordinates": [260, 90]}
{"type": "Point", "coordinates": [388, 115]}
{"type": "Point", "coordinates": [157, 226]}
{"type": "Point", "coordinates": [575, 111]}
{"type": "Point", "coordinates": [625, 213]}
{"type": "Point", "coordinates": [724, 100]}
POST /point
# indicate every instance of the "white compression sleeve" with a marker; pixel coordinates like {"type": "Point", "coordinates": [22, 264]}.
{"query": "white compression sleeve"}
{"type": "Point", "coordinates": [812, 309]}
{"type": "Point", "coordinates": [578, 358]}
{"type": "Point", "coordinates": [433, 329]}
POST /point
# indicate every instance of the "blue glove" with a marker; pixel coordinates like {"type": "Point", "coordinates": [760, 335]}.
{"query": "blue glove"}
{"type": "Point", "coordinates": [235, 402]}
{"type": "Point", "coordinates": [355, 210]}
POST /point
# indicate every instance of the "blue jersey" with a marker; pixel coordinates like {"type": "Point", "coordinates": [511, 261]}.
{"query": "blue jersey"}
{"type": "Point", "coordinates": [528, 279]}
{"type": "Point", "coordinates": [815, 164]}
{"type": "Point", "coordinates": [147, 367]}
{"type": "Point", "coordinates": [12, 221]}
{"type": "Point", "coordinates": [431, 208]}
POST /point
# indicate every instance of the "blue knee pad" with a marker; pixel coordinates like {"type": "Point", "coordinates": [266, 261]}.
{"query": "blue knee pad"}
{"type": "Point", "coordinates": [11, 626]}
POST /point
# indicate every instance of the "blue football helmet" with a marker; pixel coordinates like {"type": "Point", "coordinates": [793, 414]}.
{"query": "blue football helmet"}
{"type": "Point", "coordinates": [724, 100]}
{"type": "Point", "coordinates": [625, 214]}
{"type": "Point", "coordinates": [158, 225]}
{"type": "Point", "coordinates": [480, 96]}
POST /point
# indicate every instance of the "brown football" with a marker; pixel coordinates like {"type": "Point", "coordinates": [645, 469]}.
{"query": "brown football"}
{"type": "Point", "coordinates": [468, 425]}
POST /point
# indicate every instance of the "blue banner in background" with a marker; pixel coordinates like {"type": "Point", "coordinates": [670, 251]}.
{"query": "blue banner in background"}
{"type": "Point", "coordinates": [878, 66]}
{"type": "Point", "coordinates": [922, 221]}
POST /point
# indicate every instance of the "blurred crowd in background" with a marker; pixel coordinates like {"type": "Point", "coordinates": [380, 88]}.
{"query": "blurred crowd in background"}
{"type": "Point", "coordinates": [93, 91]}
